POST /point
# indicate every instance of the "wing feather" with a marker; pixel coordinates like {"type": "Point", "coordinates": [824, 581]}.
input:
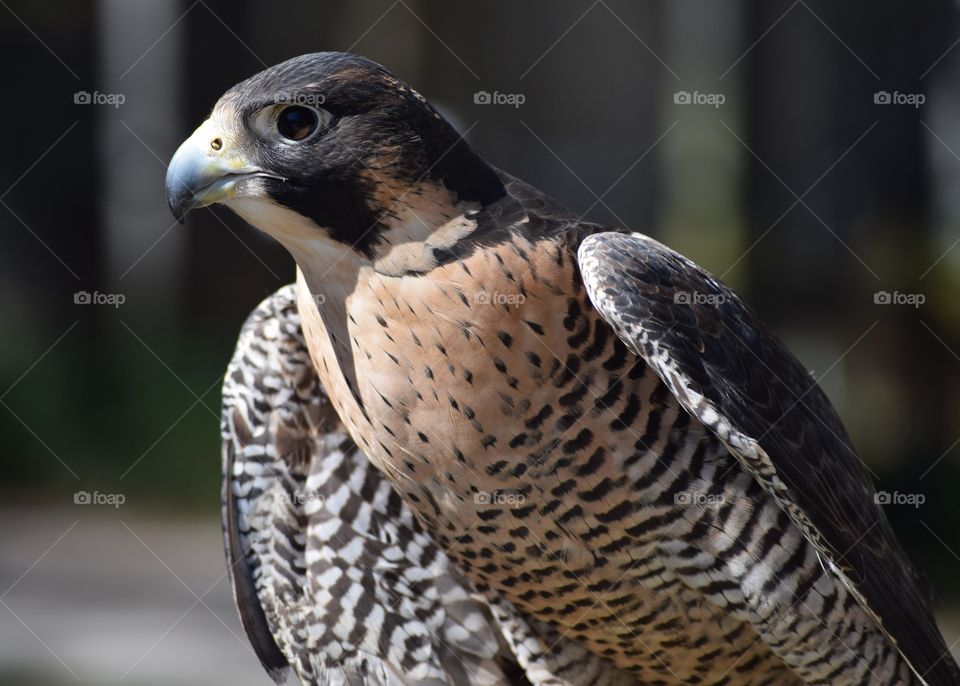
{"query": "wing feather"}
{"type": "Point", "coordinates": [739, 380]}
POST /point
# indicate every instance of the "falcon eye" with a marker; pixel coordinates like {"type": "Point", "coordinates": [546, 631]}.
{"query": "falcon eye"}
{"type": "Point", "coordinates": [297, 122]}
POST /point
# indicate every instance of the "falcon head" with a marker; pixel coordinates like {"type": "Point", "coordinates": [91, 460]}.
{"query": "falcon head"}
{"type": "Point", "coordinates": [330, 146]}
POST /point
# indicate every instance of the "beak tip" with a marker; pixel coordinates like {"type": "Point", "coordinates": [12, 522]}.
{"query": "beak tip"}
{"type": "Point", "coordinates": [176, 210]}
{"type": "Point", "coordinates": [188, 173]}
{"type": "Point", "coordinates": [175, 192]}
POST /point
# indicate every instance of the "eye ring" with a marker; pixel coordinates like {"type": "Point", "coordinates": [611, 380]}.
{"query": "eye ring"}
{"type": "Point", "coordinates": [297, 123]}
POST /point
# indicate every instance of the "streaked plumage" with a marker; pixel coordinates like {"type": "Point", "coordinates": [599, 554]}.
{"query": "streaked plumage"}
{"type": "Point", "coordinates": [679, 496]}
{"type": "Point", "coordinates": [332, 573]}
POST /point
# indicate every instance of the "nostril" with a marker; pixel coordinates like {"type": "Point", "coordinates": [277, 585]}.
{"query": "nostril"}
{"type": "Point", "coordinates": [216, 144]}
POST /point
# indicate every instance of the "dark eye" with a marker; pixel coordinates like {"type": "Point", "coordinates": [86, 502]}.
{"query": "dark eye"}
{"type": "Point", "coordinates": [297, 122]}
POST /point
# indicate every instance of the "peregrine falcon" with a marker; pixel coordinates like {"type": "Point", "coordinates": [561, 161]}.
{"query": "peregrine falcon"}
{"type": "Point", "coordinates": [598, 435]}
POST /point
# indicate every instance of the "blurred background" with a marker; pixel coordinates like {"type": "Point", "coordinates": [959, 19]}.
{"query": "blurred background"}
{"type": "Point", "coordinates": [805, 151]}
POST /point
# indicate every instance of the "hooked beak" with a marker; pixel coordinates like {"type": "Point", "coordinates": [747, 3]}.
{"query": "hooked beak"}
{"type": "Point", "coordinates": [206, 169]}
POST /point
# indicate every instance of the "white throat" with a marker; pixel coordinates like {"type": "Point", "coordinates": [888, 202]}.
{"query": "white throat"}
{"type": "Point", "coordinates": [331, 269]}
{"type": "Point", "coordinates": [415, 226]}
{"type": "Point", "coordinates": [331, 273]}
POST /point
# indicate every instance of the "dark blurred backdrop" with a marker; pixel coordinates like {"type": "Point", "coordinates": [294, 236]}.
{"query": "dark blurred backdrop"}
{"type": "Point", "coordinates": [805, 151]}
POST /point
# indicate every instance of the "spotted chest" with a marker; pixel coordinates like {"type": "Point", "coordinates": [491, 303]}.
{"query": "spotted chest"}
{"type": "Point", "coordinates": [560, 473]}
{"type": "Point", "coordinates": [511, 425]}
